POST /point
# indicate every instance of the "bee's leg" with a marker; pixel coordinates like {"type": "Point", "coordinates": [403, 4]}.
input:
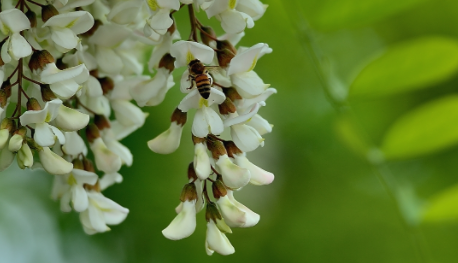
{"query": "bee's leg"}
{"type": "Point", "coordinates": [192, 84]}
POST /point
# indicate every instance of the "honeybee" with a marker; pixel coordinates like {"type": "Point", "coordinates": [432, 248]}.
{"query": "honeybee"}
{"type": "Point", "coordinates": [199, 74]}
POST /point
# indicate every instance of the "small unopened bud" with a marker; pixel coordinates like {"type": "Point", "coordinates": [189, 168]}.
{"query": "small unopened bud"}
{"type": "Point", "coordinates": [219, 190]}
{"type": "Point", "coordinates": [60, 64]}
{"type": "Point", "coordinates": [197, 140]}
{"type": "Point", "coordinates": [92, 132]}
{"type": "Point", "coordinates": [232, 149]}
{"type": "Point", "coordinates": [32, 18]}
{"type": "Point", "coordinates": [188, 193]}
{"type": "Point", "coordinates": [167, 61]}
{"type": "Point", "coordinates": [225, 44]}
{"type": "Point", "coordinates": [3, 98]}
{"type": "Point", "coordinates": [224, 57]}
{"type": "Point", "coordinates": [179, 117]}
{"type": "Point", "coordinates": [48, 11]}
{"type": "Point", "coordinates": [212, 212]}
{"type": "Point", "coordinates": [94, 28]}
{"type": "Point", "coordinates": [78, 164]}
{"type": "Point", "coordinates": [94, 73]}
{"type": "Point", "coordinates": [22, 131]}
{"type": "Point", "coordinates": [232, 94]}
{"type": "Point", "coordinates": [227, 107]}
{"type": "Point", "coordinates": [39, 60]}
{"type": "Point", "coordinates": [88, 165]}
{"type": "Point", "coordinates": [101, 122]}
{"type": "Point", "coordinates": [191, 172]}
{"type": "Point", "coordinates": [7, 124]}
{"type": "Point", "coordinates": [207, 35]}
{"type": "Point", "coordinates": [6, 87]}
{"type": "Point", "coordinates": [33, 104]}
{"type": "Point", "coordinates": [107, 84]}
{"type": "Point", "coordinates": [173, 27]}
{"type": "Point", "coordinates": [216, 148]}
{"type": "Point", "coordinates": [46, 93]}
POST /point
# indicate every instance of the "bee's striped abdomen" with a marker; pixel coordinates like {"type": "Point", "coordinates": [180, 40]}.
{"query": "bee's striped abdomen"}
{"type": "Point", "coordinates": [203, 85]}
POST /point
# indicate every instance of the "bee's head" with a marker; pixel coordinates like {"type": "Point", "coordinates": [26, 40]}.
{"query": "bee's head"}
{"type": "Point", "coordinates": [196, 66]}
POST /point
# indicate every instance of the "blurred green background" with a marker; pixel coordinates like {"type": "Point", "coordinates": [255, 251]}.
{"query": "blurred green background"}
{"type": "Point", "coordinates": [364, 150]}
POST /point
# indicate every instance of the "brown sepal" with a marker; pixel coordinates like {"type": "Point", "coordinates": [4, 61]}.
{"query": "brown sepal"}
{"type": "Point", "coordinates": [107, 84]}
{"type": "Point", "coordinates": [197, 140]}
{"type": "Point", "coordinates": [232, 149]}
{"type": "Point", "coordinates": [219, 190]}
{"type": "Point", "coordinates": [227, 107]}
{"type": "Point", "coordinates": [212, 212]}
{"type": "Point", "coordinates": [92, 132]}
{"type": "Point", "coordinates": [205, 38]}
{"type": "Point", "coordinates": [188, 193]}
{"type": "Point", "coordinates": [94, 28]}
{"type": "Point", "coordinates": [46, 93]}
{"type": "Point", "coordinates": [48, 11]}
{"type": "Point", "coordinates": [232, 94]}
{"type": "Point", "coordinates": [32, 18]}
{"type": "Point", "coordinates": [39, 60]}
{"type": "Point", "coordinates": [191, 172]}
{"type": "Point", "coordinates": [32, 104]}
{"type": "Point", "coordinates": [101, 122]}
{"type": "Point", "coordinates": [167, 61]}
{"type": "Point", "coordinates": [179, 117]}
{"type": "Point", "coordinates": [216, 148]}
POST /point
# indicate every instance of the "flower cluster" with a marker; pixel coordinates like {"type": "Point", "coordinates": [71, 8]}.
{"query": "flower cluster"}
{"type": "Point", "coordinates": [70, 71]}
{"type": "Point", "coordinates": [226, 94]}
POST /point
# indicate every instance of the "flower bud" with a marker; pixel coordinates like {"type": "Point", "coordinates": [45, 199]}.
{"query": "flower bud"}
{"type": "Point", "coordinates": [227, 107]}
{"type": "Point", "coordinates": [231, 149]}
{"type": "Point", "coordinates": [33, 104]}
{"type": "Point", "coordinates": [216, 148]}
{"type": "Point", "coordinates": [88, 165]}
{"type": "Point", "coordinates": [212, 212]}
{"type": "Point", "coordinates": [107, 84]}
{"type": "Point", "coordinates": [46, 93]}
{"type": "Point", "coordinates": [48, 11]}
{"type": "Point", "coordinates": [92, 133]}
{"type": "Point", "coordinates": [179, 117]}
{"type": "Point", "coordinates": [224, 57]}
{"type": "Point", "coordinates": [219, 190]}
{"type": "Point", "coordinates": [32, 18]}
{"type": "Point", "coordinates": [25, 157]}
{"type": "Point", "coordinates": [6, 87]}
{"type": "Point", "coordinates": [208, 35]}
{"type": "Point", "coordinates": [188, 193]}
{"type": "Point", "coordinates": [39, 60]}
{"type": "Point", "coordinates": [167, 61]}
{"type": "Point", "coordinates": [8, 124]}
{"type": "Point", "coordinates": [94, 28]}
{"type": "Point", "coordinates": [191, 172]}
{"type": "Point", "coordinates": [17, 139]}
{"type": "Point", "coordinates": [101, 122]}
{"type": "Point", "coordinates": [232, 94]}
{"type": "Point", "coordinates": [3, 98]}
{"type": "Point", "coordinates": [78, 164]}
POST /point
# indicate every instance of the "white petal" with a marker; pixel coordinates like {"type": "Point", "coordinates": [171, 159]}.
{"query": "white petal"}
{"type": "Point", "coordinates": [4, 136]}
{"type": "Point", "coordinates": [127, 113]}
{"type": "Point", "coordinates": [218, 241]}
{"type": "Point", "coordinates": [110, 35]}
{"type": "Point", "coordinates": [120, 150]}
{"type": "Point", "coordinates": [65, 202]}
{"type": "Point", "coordinates": [233, 175]}
{"type": "Point", "coordinates": [109, 179]}
{"type": "Point", "coordinates": [79, 198]}
{"type": "Point", "coordinates": [53, 163]}
{"type": "Point", "coordinates": [251, 217]}
{"type": "Point", "coordinates": [108, 60]}
{"type": "Point", "coordinates": [201, 161]}
{"type": "Point", "coordinates": [64, 37]}
{"type": "Point", "coordinates": [246, 60]}
{"type": "Point", "coordinates": [70, 119]}
{"type": "Point", "coordinates": [184, 224]}
{"type": "Point", "coordinates": [14, 20]}
{"type": "Point", "coordinates": [186, 51]}
{"type": "Point", "coordinates": [74, 144]}
{"type": "Point", "coordinates": [233, 216]}
{"type": "Point", "coordinates": [15, 143]}
{"type": "Point", "coordinates": [168, 141]}
{"type": "Point", "coordinates": [233, 21]}
{"type": "Point", "coordinates": [105, 159]}
{"type": "Point", "coordinates": [258, 175]}
{"type": "Point", "coordinates": [19, 47]}
{"type": "Point", "coordinates": [246, 137]}
{"type": "Point", "coordinates": [43, 134]}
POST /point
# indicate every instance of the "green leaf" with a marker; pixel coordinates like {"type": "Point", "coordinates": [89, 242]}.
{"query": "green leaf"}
{"type": "Point", "coordinates": [426, 129]}
{"type": "Point", "coordinates": [442, 207]}
{"type": "Point", "coordinates": [408, 66]}
{"type": "Point", "coordinates": [351, 135]}
{"type": "Point", "coordinates": [336, 14]}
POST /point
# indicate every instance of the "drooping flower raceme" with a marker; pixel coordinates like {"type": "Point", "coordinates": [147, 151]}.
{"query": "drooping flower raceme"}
{"type": "Point", "coordinates": [73, 85]}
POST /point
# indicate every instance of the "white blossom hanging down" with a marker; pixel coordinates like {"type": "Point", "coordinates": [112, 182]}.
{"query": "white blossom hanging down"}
{"type": "Point", "coordinates": [71, 82]}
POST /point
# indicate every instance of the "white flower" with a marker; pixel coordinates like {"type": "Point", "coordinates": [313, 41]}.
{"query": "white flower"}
{"type": "Point", "coordinates": [45, 134]}
{"type": "Point", "coordinates": [53, 163]}
{"type": "Point", "coordinates": [109, 179]}
{"type": "Point", "coordinates": [64, 83]}
{"type": "Point", "coordinates": [201, 161]}
{"type": "Point", "coordinates": [101, 212]}
{"type": "Point", "coordinates": [105, 159]}
{"type": "Point", "coordinates": [232, 21]}
{"type": "Point", "coordinates": [233, 176]}
{"type": "Point", "coordinates": [66, 27]}
{"type": "Point", "coordinates": [217, 241]}
{"type": "Point", "coordinates": [186, 51]}
{"type": "Point", "coordinates": [245, 80]}
{"type": "Point", "coordinates": [152, 92]}
{"type": "Point", "coordinates": [25, 156]}
{"type": "Point", "coordinates": [70, 119]}
{"type": "Point", "coordinates": [251, 217]}
{"type": "Point", "coordinates": [116, 147]}
{"type": "Point", "coordinates": [258, 175]}
{"type": "Point", "coordinates": [160, 20]}
{"type": "Point", "coordinates": [125, 12]}
{"type": "Point", "coordinates": [168, 141]}
{"type": "Point", "coordinates": [74, 144]}
{"type": "Point", "coordinates": [206, 121]}
{"type": "Point", "coordinates": [194, 100]}
{"type": "Point", "coordinates": [75, 191]}
{"type": "Point", "coordinates": [12, 22]}
{"type": "Point", "coordinates": [260, 124]}
{"type": "Point", "coordinates": [184, 224]}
